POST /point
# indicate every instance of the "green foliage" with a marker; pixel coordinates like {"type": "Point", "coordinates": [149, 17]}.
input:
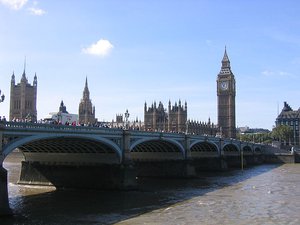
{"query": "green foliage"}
{"type": "Point", "coordinates": [265, 138]}
{"type": "Point", "coordinates": [282, 132]}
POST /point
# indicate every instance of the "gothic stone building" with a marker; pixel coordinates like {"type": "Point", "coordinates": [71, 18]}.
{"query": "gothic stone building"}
{"type": "Point", "coordinates": [226, 99]}
{"type": "Point", "coordinates": [23, 99]}
{"type": "Point", "coordinates": [86, 109]}
{"type": "Point", "coordinates": [291, 118]}
{"type": "Point", "coordinates": [157, 118]}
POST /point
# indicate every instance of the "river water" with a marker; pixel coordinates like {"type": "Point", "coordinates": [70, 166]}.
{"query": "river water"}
{"type": "Point", "coordinates": [265, 194]}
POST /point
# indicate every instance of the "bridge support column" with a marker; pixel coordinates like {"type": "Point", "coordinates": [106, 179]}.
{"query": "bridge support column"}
{"type": "Point", "coordinates": [126, 159]}
{"type": "Point", "coordinates": [127, 170]}
{"type": "Point", "coordinates": [103, 176]}
{"type": "Point", "coordinates": [4, 203]}
{"type": "Point", "coordinates": [187, 147]}
{"type": "Point", "coordinates": [179, 169]}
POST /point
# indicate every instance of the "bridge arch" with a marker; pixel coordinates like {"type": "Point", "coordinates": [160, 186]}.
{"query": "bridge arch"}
{"type": "Point", "coordinates": [156, 149]}
{"type": "Point", "coordinates": [55, 143]}
{"type": "Point", "coordinates": [257, 150]}
{"type": "Point", "coordinates": [204, 149]}
{"type": "Point", "coordinates": [247, 150]}
{"type": "Point", "coordinates": [231, 149]}
{"type": "Point", "coordinates": [204, 146]}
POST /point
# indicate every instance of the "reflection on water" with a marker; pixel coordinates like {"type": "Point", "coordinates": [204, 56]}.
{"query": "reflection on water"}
{"type": "Point", "coordinates": [267, 194]}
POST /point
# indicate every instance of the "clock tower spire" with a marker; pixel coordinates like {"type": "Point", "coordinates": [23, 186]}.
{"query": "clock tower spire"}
{"type": "Point", "coordinates": [226, 99]}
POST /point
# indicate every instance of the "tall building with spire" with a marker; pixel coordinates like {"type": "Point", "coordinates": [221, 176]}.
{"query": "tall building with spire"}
{"type": "Point", "coordinates": [86, 109]}
{"type": "Point", "coordinates": [23, 98]}
{"type": "Point", "coordinates": [226, 99]}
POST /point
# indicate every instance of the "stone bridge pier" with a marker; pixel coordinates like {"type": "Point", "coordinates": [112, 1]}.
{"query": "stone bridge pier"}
{"type": "Point", "coordinates": [4, 203]}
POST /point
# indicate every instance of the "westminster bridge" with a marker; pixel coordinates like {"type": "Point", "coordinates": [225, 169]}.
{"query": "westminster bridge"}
{"type": "Point", "coordinates": [93, 157]}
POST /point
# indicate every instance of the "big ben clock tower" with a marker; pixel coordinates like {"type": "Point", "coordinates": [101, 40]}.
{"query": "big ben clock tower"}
{"type": "Point", "coordinates": [226, 99]}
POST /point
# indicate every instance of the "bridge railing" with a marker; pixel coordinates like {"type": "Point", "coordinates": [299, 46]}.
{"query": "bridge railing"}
{"type": "Point", "coordinates": [13, 126]}
{"type": "Point", "coordinates": [52, 127]}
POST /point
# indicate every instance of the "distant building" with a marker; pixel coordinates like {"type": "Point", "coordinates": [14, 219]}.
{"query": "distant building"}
{"type": "Point", "coordinates": [177, 117]}
{"type": "Point", "coordinates": [61, 117]}
{"type": "Point", "coordinates": [291, 118]}
{"type": "Point", "coordinates": [202, 128]}
{"type": "Point", "coordinates": [247, 130]}
{"type": "Point", "coordinates": [23, 99]}
{"type": "Point", "coordinates": [226, 99]}
{"type": "Point", "coordinates": [86, 109]}
{"type": "Point", "coordinates": [122, 124]}
{"type": "Point", "coordinates": [62, 107]}
{"type": "Point", "coordinates": [157, 118]}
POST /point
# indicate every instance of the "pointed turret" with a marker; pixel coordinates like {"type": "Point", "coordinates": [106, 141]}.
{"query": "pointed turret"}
{"type": "Point", "coordinates": [225, 69]}
{"type": "Point", "coordinates": [13, 81]}
{"type": "Point", "coordinates": [225, 60]}
{"type": "Point", "coordinates": [86, 92]}
{"type": "Point", "coordinates": [24, 79]}
{"type": "Point", "coordinates": [86, 108]}
{"type": "Point", "coordinates": [35, 80]}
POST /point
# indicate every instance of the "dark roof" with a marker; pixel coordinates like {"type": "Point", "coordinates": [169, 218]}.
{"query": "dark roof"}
{"type": "Point", "coordinates": [288, 113]}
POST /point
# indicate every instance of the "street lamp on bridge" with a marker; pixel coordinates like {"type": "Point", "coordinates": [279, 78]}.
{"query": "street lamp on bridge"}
{"type": "Point", "coordinates": [2, 97]}
{"type": "Point", "coordinates": [126, 118]}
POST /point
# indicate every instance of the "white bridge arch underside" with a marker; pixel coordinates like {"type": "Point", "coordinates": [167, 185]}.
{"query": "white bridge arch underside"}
{"type": "Point", "coordinates": [68, 150]}
{"type": "Point", "coordinates": [204, 149]}
{"type": "Point", "coordinates": [157, 150]}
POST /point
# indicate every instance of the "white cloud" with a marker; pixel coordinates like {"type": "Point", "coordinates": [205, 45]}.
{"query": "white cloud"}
{"type": "Point", "coordinates": [269, 73]}
{"type": "Point", "coordinates": [100, 48]}
{"type": "Point", "coordinates": [14, 4]}
{"type": "Point", "coordinates": [209, 42]}
{"type": "Point", "coordinates": [36, 11]}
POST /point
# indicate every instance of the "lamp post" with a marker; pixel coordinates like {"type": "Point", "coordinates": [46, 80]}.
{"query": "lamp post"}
{"type": "Point", "coordinates": [2, 97]}
{"type": "Point", "coordinates": [126, 118]}
{"type": "Point", "coordinates": [186, 127]}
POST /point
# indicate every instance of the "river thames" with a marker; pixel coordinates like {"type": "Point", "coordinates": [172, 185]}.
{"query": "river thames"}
{"type": "Point", "coordinates": [265, 194]}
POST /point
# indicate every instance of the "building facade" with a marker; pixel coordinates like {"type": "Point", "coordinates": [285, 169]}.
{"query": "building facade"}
{"type": "Point", "coordinates": [177, 117]}
{"type": "Point", "coordinates": [291, 118]}
{"type": "Point", "coordinates": [202, 128]}
{"type": "Point", "coordinates": [86, 110]}
{"type": "Point", "coordinates": [226, 99]}
{"type": "Point", "coordinates": [23, 97]}
{"type": "Point", "coordinates": [174, 119]}
{"type": "Point", "coordinates": [155, 117]}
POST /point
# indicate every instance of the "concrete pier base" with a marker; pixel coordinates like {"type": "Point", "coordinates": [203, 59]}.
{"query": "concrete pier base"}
{"type": "Point", "coordinates": [74, 176]}
{"type": "Point", "coordinates": [4, 203]}
{"type": "Point", "coordinates": [178, 169]}
{"type": "Point", "coordinates": [210, 164]}
{"type": "Point", "coordinates": [280, 158]}
{"type": "Point", "coordinates": [235, 161]}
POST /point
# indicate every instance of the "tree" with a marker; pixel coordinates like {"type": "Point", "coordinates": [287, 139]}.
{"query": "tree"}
{"type": "Point", "coordinates": [256, 137]}
{"type": "Point", "coordinates": [282, 133]}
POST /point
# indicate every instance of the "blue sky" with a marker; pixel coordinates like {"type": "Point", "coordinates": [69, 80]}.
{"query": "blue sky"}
{"type": "Point", "coordinates": [135, 51]}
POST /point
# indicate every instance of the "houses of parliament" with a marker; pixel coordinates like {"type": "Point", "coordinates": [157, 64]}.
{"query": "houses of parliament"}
{"type": "Point", "coordinates": [23, 100]}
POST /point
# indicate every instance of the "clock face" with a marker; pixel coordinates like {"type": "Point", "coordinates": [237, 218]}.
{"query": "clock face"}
{"type": "Point", "coordinates": [224, 85]}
